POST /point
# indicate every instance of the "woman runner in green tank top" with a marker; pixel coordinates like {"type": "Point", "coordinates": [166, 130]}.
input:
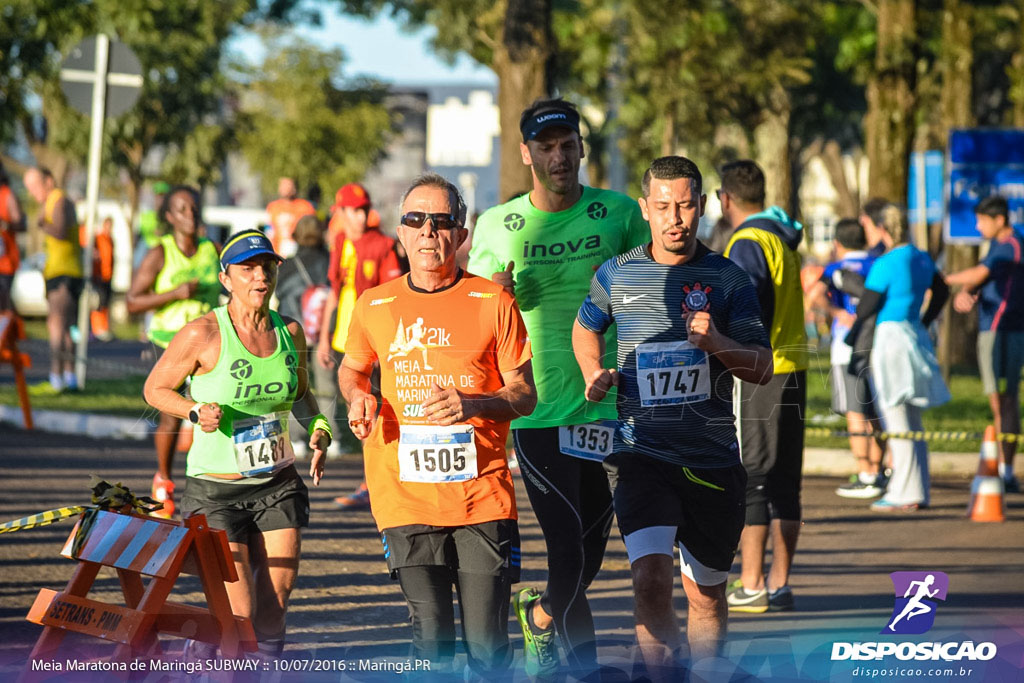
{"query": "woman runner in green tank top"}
{"type": "Point", "coordinates": [177, 280]}
{"type": "Point", "coordinates": [248, 371]}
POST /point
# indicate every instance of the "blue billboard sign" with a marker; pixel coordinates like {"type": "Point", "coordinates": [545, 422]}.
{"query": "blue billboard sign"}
{"type": "Point", "coordinates": [928, 188]}
{"type": "Point", "coordinates": [983, 163]}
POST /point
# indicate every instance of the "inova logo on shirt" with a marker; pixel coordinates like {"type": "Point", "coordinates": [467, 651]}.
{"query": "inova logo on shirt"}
{"type": "Point", "coordinates": [241, 370]}
{"type": "Point", "coordinates": [561, 248]}
{"type": "Point", "coordinates": [596, 211]}
{"type": "Point", "coordinates": [514, 222]}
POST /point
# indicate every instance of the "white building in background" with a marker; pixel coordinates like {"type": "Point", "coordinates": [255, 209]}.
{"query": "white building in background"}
{"type": "Point", "coordinates": [449, 129]}
{"type": "Point", "coordinates": [818, 196]}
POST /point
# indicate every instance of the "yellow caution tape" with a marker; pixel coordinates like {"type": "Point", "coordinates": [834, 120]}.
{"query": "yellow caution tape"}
{"type": "Point", "coordinates": [41, 519]}
{"type": "Point", "coordinates": [915, 436]}
{"type": "Point", "coordinates": [104, 497]}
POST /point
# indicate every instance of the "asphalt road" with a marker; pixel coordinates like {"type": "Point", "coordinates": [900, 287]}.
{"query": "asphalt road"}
{"type": "Point", "coordinates": [346, 609]}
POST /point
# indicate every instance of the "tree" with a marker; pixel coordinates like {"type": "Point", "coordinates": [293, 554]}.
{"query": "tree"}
{"type": "Point", "coordinates": [522, 61]}
{"type": "Point", "coordinates": [889, 124]}
{"type": "Point", "coordinates": [709, 65]}
{"type": "Point", "coordinates": [1015, 70]}
{"type": "Point", "coordinates": [198, 159]}
{"type": "Point", "coordinates": [33, 33]}
{"type": "Point", "coordinates": [513, 37]}
{"type": "Point", "coordinates": [180, 45]}
{"type": "Point", "coordinates": [295, 121]}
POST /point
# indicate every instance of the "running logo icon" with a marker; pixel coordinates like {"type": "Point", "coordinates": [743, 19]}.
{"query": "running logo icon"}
{"type": "Point", "coordinates": [914, 610]}
{"type": "Point", "coordinates": [407, 339]}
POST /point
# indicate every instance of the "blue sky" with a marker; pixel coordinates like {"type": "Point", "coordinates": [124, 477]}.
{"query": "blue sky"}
{"type": "Point", "coordinates": [379, 48]}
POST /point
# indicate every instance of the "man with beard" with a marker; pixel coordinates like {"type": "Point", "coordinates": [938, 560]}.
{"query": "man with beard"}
{"type": "Point", "coordinates": [544, 246]}
{"type": "Point", "coordinates": [687, 322]}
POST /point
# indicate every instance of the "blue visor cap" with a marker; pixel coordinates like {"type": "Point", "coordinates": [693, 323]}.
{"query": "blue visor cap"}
{"type": "Point", "coordinates": [244, 246]}
{"type": "Point", "coordinates": [548, 118]}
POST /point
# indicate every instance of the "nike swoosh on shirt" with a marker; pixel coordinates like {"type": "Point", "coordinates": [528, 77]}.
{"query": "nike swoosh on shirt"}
{"type": "Point", "coordinates": [631, 299]}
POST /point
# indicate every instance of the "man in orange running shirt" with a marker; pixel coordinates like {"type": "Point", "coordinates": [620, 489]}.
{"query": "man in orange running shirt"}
{"type": "Point", "coordinates": [455, 365]}
{"type": "Point", "coordinates": [285, 212]}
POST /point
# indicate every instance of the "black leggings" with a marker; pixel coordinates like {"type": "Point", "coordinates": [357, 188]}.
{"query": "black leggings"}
{"type": "Point", "coordinates": [573, 503]}
{"type": "Point", "coordinates": [483, 605]}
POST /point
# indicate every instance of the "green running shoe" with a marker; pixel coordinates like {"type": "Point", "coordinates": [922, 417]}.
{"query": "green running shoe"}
{"type": "Point", "coordinates": [538, 646]}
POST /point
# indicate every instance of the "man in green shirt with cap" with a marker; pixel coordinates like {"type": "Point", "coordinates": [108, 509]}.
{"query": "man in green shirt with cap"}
{"type": "Point", "coordinates": [544, 247]}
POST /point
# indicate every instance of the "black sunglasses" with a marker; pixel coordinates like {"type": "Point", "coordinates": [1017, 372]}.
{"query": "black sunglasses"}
{"type": "Point", "coordinates": [441, 221]}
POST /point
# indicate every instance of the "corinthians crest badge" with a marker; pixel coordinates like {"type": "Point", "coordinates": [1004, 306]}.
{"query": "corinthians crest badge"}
{"type": "Point", "coordinates": [695, 298]}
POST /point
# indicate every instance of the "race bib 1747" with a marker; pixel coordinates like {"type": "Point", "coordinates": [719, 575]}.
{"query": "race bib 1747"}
{"type": "Point", "coordinates": [671, 373]}
{"type": "Point", "coordinates": [436, 455]}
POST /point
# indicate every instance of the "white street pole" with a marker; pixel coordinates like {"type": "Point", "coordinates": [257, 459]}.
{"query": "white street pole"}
{"type": "Point", "coordinates": [92, 194]}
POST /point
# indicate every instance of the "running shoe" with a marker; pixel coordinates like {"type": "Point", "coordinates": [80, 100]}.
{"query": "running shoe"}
{"type": "Point", "coordinates": [1011, 484]}
{"type": "Point", "coordinates": [740, 599]}
{"type": "Point", "coordinates": [357, 500]}
{"type": "Point", "coordinates": [883, 505]}
{"type": "Point", "coordinates": [163, 492]}
{"type": "Point", "coordinates": [861, 489]}
{"type": "Point", "coordinates": [780, 600]}
{"type": "Point", "coordinates": [46, 389]}
{"type": "Point", "coordinates": [539, 647]}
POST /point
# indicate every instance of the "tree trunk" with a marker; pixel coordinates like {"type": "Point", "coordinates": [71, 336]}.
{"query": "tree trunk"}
{"type": "Point", "coordinates": [957, 57]}
{"type": "Point", "coordinates": [847, 205]}
{"type": "Point", "coordinates": [957, 332]}
{"type": "Point", "coordinates": [771, 140]}
{"type": "Point", "coordinates": [668, 134]}
{"type": "Point", "coordinates": [890, 95]}
{"type": "Point", "coordinates": [52, 159]}
{"type": "Point", "coordinates": [1016, 72]}
{"type": "Point", "coordinates": [522, 64]}
{"type": "Point", "coordinates": [597, 142]}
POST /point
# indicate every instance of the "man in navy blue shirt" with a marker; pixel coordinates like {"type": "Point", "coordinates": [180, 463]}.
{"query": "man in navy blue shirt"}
{"type": "Point", "coordinates": [851, 393]}
{"type": "Point", "coordinates": [996, 285]}
{"type": "Point", "coordinates": [687, 321]}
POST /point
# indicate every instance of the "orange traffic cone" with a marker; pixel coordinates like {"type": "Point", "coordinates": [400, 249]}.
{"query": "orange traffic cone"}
{"type": "Point", "coordinates": [987, 502]}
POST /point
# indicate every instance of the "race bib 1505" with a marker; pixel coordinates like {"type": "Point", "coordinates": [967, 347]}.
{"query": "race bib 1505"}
{"type": "Point", "coordinates": [432, 454]}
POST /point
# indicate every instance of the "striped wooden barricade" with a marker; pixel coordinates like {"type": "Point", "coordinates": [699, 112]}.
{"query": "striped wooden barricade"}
{"type": "Point", "coordinates": [138, 546]}
{"type": "Point", "coordinates": [11, 330]}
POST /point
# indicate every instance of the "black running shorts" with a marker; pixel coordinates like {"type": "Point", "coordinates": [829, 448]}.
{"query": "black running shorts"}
{"type": "Point", "coordinates": [245, 509]}
{"type": "Point", "coordinates": [705, 505]}
{"type": "Point", "coordinates": [490, 548]}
